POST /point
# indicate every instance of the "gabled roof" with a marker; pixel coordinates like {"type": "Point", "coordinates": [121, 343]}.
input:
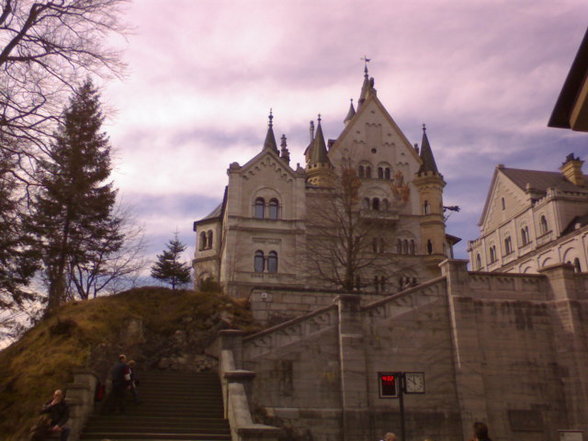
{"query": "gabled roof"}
{"type": "Point", "coordinates": [372, 97]}
{"type": "Point", "coordinates": [215, 214]}
{"type": "Point", "coordinates": [539, 181]}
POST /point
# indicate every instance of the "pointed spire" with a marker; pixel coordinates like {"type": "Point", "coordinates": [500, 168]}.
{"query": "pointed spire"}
{"type": "Point", "coordinates": [350, 113]}
{"type": "Point", "coordinates": [284, 152]}
{"type": "Point", "coordinates": [311, 129]}
{"type": "Point", "coordinates": [318, 152]}
{"type": "Point", "coordinates": [367, 86]}
{"type": "Point", "coordinates": [270, 139]}
{"type": "Point", "coordinates": [427, 157]}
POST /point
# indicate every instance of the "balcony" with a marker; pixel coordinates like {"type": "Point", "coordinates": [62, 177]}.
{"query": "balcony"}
{"type": "Point", "coordinates": [379, 215]}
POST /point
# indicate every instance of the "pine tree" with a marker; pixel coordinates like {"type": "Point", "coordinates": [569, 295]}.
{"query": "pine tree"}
{"type": "Point", "coordinates": [73, 212]}
{"type": "Point", "coordinates": [168, 266]}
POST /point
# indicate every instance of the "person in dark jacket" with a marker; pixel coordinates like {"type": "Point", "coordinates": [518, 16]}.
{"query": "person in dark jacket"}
{"type": "Point", "coordinates": [58, 412]}
{"type": "Point", "coordinates": [481, 432]}
{"type": "Point", "coordinates": [121, 380]}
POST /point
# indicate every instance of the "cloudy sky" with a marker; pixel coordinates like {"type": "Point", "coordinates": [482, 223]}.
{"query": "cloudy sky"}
{"type": "Point", "coordinates": [483, 75]}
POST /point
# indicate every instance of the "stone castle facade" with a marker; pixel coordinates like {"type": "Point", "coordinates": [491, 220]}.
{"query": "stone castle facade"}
{"type": "Point", "coordinates": [262, 233]}
{"type": "Point", "coordinates": [534, 219]}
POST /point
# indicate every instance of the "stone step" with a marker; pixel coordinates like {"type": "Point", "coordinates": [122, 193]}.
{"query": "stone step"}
{"type": "Point", "coordinates": [127, 435]}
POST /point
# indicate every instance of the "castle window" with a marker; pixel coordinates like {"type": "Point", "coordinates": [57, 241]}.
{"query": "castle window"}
{"type": "Point", "coordinates": [412, 247]}
{"type": "Point", "coordinates": [399, 246]}
{"type": "Point", "coordinates": [377, 283]}
{"type": "Point", "coordinates": [508, 245]}
{"type": "Point", "coordinates": [382, 245]}
{"type": "Point", "coordinates": [492, 254]}
{"type": "Point", "coordinates": [385, 205]}
{"type": "Point", "coordinates": [502, 201]}
{"type": "Point", "coordinates": [273, 208]}
{"type": "Point", "coordinates": [380, 173]}
{"type": "Point", "coordinates": [375, 244]}
{"type": "Point", "coordinates": [361, 171]}
{"type": "Point", "coordinates": [259, 262]}
{"type": "Point", "coordinates": [382, 284]}
{"type": "Point", "coordinates": [387, 173]}
{"type": "Point", "coordinates": [368, 172]}
{"type": "Point", "coordinates": [209, 240]}
{"type": "Point", "coordinates": [272, 262]}
{"type": "Point", "coordinates": [375, 204]}
{"type": "Point", "coordinates": [478, 261]}
{"type": "Point", "coordinates": [577, 266]}
{"type": "Point", "coordinates": [357, 282]}
{"type": "Point", "coordinates": [426, 207]}
{"type": "Point", "coordinates": [259, 208]}
{"type": "Point", "coordinates": [202, 241]}
{"type": "Point", "coordinates": [405, 246]}
{"type": "Point", "coordinates": [543, 225]}
{"type": "Point", "coordinates": [429, 247]}
{"type": "Point", "coordinates": [525, 235]}
{"type": "Point", "coordinates": [366, 203]}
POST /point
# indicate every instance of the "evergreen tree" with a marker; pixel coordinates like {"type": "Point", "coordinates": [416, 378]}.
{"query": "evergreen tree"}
{"type": "Point", "coordinates": [73, 212]}
{"type": "Point", "coordinates": [168, 266]}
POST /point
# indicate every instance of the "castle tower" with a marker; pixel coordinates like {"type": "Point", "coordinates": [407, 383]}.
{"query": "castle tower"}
{"type": "Point", "coordinates": [319, 169]}
{"type": "Point", "coordinates": [430, 183]}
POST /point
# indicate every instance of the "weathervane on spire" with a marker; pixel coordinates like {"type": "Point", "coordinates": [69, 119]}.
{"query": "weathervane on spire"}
{"type": "Point", "coordinates": [366, 60]}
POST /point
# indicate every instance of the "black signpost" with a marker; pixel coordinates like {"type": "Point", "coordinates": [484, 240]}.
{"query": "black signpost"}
{"type": "Point", "coordinates": [396, 384]}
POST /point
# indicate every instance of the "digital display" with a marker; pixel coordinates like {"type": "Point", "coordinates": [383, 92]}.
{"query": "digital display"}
{"type": "Point", "coordinates": [388, 384]}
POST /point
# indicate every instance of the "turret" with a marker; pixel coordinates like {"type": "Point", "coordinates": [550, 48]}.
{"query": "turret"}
{"type": "Point", "coordinates": [319, 169]}
{"type": "Point", "coordinates": [429, 183]}
{"type": "Point", "coordinates": [270, 139]}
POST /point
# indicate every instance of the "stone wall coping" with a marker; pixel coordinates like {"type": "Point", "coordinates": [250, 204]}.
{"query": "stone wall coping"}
{"type": "Point", "coordinates": [290, 322]}
{"type": "Point", "coordinates": [258, 430]}
{"type": "Point", "coordinates": [506, 275]}
{"type": "Point", "coordinates": [406, 292]}
{"type": "Point", "coordinates": [239, 374]}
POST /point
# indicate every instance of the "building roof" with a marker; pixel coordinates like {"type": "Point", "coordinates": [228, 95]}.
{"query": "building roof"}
{"type": "Point", "coordinates": [571, 108]}
{"type": "Point", "coordinates": [217, 213]}
{"type": "Point", "coordinates": [429, 164]}
{"type": "Point", "coordinates": [270, 139]}
{"type": "Point", "coordinates": [350, 113]}
{"type": "Point", "coordinates": [539, 181]}
{"type": "Point", "coordinates": [318, 153]}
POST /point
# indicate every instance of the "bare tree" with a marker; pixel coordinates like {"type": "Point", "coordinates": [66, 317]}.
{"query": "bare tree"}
{"type": "Point", "coordinates": [349, 247]}
{"type": "Point", "coordinates": [110, 271]}
{"type": "Point", "coordinates": [46, 48]}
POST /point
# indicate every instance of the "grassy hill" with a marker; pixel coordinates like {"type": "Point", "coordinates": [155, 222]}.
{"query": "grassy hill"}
{"type": "Point", "coordinates": [90, 334]}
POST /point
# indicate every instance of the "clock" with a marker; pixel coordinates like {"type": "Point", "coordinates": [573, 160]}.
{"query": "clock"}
{"type": "Point", "coordinates": [414, 382]}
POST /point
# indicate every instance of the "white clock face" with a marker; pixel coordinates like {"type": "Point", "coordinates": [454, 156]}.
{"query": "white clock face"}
{"type": "Point", "coordinates": [415, 382]}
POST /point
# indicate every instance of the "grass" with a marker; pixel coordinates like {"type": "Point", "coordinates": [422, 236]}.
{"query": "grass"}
{"type": "Point", "coordinates": [87, 334]}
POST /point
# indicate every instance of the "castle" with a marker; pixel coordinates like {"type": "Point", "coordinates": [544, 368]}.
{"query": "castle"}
{"type": "Point", "coordinates": [509, 349]}
{"type": "Point", "coordinates": [264, 233]}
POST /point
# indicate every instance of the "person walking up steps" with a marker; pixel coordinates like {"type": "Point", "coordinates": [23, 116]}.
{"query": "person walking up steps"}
{"type": "Point", "coordinates": [121, 380]}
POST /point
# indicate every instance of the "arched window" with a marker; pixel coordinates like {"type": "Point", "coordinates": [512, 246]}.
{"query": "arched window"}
{"type": "Point", "coordinates": [368, 172]}
{"type": "Point", "coordinates": [259, 262]}
{"type": "Point", "coordinates": [385, 205]}
{"type": "Point", "coordinates": [544, 227]}
{"type": "Point", "coordinates": [382, 284]}
{"type": "Point", "coordinates": [399, 246]}
{"type": "Point", "coordinates": [272, 262]}
{"type": "Point", "coordinates": [209, 241]}
{"type": "Point", "coordinates": [426, 207]}
{"type": "Point", "coordinates": [375, 204]}
{"type": "Point", "coordinates": [525, 235]}
{"type": "Point", "coordinates": [377, 283]}
{"type": "Point", "coordinates": [375, 244]}
{"type": "Point", "coordinates": [273, 208]}
{"type": "Point", "coordinates": [357, 282]}
{"type": "Point", "coordinates": [202, 241]}
{"type": "Point", "coordinates": [259, 208]}
{"type": "Point", "coordinates": [382, 245]}
{"type": "Point", "coordinates": [380, 173]}
{"type": "Point", "coordinates": [412, 247]}
{"type": "Point", "coordinates": [387, 173]}
{"type": "Point", "coordinates": [577, 266]}
{"type": "Point", "coordinates": [366, 203]}
{"type": "Point", "coordinates": [429, 246]}
{"type": "Point", "coordinates": [405, 246]}
{"type": "Point", "coordinates": [508, 245]}
{"type": "Point", "coordinates": [478, 261]}
{"type": "Point", "coordinates": [361, 171]}
{"type": "Point", "coordinates": [492, 254]}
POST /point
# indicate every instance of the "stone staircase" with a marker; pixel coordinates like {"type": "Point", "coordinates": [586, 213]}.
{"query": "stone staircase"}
{"type": "Point", "coordinates": [176, 406]}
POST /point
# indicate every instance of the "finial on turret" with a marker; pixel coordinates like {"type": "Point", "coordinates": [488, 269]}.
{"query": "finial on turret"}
{"type": "Point", "coordinates": [424, 127]}
{"type": "Point", "coordinates": [319, 118]}
{"type": "Point", "coordinates": [270, 117]}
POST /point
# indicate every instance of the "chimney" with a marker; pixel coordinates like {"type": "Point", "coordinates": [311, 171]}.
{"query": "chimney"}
{"type": "Point", "coordinates": [572, 170]}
